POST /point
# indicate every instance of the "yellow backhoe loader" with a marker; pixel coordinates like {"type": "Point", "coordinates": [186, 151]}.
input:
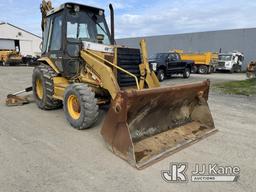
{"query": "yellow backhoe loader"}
{"type": "Point", "coordinates": [251, 70]}
{"type": "Point", "coordinates": [82, 68]}
{"type": "Point", "coordinates": [10, 57]}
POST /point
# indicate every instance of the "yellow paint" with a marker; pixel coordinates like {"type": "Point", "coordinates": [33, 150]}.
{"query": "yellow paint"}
{"type": "Point", "coordinates": [73, 107]}
{"type": "Point", "coordinates": [39, 89]}
{"type": "Point", "coordinates": [60, 84]}
{"type": "Point", "coordinates": [101, 73]}
{"type": "Point", "coordinates": [104, 72]}
{"type": "Point", "coordinates": [10, 56]}
{"type": "Point", "coordinates": [115, 66]}
{"type": "Point", "coordinates": [146, 74]}
{"type": "Point", "coordinates": [204, 58]}
{"type": "Point", "coordinates": [48, 61]}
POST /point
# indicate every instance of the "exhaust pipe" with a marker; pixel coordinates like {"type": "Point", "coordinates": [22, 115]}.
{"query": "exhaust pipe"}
{"type": "Point", "coordinates": [112, 23]}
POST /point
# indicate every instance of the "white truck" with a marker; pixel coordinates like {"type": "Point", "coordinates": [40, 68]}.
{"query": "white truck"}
{"type": "Point", "coordinates": [230, 62]}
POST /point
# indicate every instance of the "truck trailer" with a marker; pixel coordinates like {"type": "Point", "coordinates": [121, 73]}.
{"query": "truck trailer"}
{"type": "Point", "coordinates": [205, 62]}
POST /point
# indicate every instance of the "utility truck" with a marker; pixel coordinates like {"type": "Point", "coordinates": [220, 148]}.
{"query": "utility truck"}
{"type": "Point", "coordinates": [231, 62]}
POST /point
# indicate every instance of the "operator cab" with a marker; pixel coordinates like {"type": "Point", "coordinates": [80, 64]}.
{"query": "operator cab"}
{"type": "Point", "coordinates": [67, 28]}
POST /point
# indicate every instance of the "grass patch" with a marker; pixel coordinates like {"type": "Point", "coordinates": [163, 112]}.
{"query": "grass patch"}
{"type": "Point", "coordinates": [245, 87]}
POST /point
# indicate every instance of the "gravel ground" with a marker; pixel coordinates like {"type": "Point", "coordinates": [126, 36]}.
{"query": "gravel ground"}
{"type": "Point", "coordinates": [40, 152]}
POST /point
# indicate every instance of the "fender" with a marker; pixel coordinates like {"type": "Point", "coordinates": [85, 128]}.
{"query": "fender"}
{"type": "Point", "coordinates": [48, 61]}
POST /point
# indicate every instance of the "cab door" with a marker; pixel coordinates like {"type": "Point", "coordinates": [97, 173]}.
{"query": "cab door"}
{"type": "Point", "coordinates": [180, 64]}
{"type": "Point", "coordinates": [52, 40]}
{"type": "Point", "coordinates": [172, 62]}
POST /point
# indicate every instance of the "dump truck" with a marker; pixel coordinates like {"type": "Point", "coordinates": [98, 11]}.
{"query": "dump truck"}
{"type": "Point", "coordinates": [231, 61]}
{"type": "Point", "coordinates": [251, 70]}
{"type": "Point", "coordinates": [205, 62]}
{"type": "Point", "coordinates": [82, 69]}
{"type": "Point", "coordinates": [10, 57]}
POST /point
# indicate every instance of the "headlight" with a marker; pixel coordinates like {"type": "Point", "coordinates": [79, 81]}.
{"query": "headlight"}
{"type": "Point", "coordinates": [154, 66]}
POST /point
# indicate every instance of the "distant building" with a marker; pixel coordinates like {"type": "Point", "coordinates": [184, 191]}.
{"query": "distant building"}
{"type": "Point", "coordinates": [15, 38]}
{"type": "Point", "coordinates": [243, 40]}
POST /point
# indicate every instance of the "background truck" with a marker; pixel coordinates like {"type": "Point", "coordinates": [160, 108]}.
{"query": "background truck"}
{"type": "Point", "coordinates": [230, 62]}
{"type": "Point", "coordinates": [10, 57]}
{"type": "Point", "coordinates": [166, 64]}
{"type": "Point", "coordinates": [205, 62]}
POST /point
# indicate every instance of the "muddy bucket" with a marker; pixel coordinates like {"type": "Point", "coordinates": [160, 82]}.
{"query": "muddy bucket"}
{"type": "Point", "coordinates": [146, 125]}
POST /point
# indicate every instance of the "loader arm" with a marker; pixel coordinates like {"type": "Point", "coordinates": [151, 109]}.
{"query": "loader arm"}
{"type": "Point", "coordinates": [109, 82]}
{"type": "Point", "coordinates": [147, 75]}
{"type": "Point", "coordinates": [96, 63]}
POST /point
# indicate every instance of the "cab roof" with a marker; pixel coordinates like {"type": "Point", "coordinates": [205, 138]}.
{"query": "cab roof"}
{"type": "Point", "coordinates": [72, 4]}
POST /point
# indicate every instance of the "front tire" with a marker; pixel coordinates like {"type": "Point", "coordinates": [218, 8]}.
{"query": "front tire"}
{"type": "Point", "coordinates": [80, 106]}
{"type": "Point", "coordinates": [239, 69]}
{"type": "Point", "coordinates": [232, 70]}
{"type": "Point", "coordinates": [43, 87]}
{"type": "Point", "coordinates": [161, 75]}
{"type": "Point", "coordinates": [186, 73]}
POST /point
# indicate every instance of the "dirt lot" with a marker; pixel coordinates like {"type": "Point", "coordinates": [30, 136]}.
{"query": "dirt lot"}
{"type": "Point", "coordinates": [40, 152]}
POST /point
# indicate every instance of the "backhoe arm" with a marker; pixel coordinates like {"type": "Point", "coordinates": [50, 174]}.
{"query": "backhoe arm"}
{"type": "Point", "coordinates": [45, 7]}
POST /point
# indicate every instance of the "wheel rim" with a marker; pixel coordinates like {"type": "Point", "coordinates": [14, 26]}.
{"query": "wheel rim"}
{"type": "Point", "coordinates": [187, 73]}
{"type": "Point", "coordinates": [73, 107]}
{"type": "Point", "coordinates": [39, 89]}
{"type": "Point", "coordinates": [202, 70]}
{"type": "Point", "coordinates": [162, 76]}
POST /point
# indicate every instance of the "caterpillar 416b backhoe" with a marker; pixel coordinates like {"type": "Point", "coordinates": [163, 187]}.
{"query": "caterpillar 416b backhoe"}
{"type": "Point", "coordinates": [82, 68]}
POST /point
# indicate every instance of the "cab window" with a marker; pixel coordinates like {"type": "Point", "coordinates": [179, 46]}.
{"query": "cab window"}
{"type": "Point", "coordinates": [173, 57]}
{"type": "Point", "coordinates": [56, 34]}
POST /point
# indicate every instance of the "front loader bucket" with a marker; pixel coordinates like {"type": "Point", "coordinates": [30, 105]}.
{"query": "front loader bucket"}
{"type": "Point", "coordinates": [146, 125]}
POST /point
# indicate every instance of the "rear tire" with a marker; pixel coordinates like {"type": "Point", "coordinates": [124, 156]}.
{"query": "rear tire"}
{"type": "Point", "coordinates": [80, 106]}
{"type": "Point", "coordinates": [203, 69]}
{"type": "Point", "coordinates": [186, 73]}
{"type": "Point", "coordinates": [160, 75]}
{"type": "Point", "coordinates": [43, 87]}
{"type": "Point", "coordinates": [194, 69]}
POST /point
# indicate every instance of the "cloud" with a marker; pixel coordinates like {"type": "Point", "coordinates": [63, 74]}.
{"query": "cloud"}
{"type": "Point", "coordinates": [147, 17]}
{"type": "Point", "coordinates": [187, 16]}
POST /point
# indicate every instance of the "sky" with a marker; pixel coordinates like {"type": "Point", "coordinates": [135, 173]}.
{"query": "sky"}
{"type": "Point", "coordinates": [147, 17]}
